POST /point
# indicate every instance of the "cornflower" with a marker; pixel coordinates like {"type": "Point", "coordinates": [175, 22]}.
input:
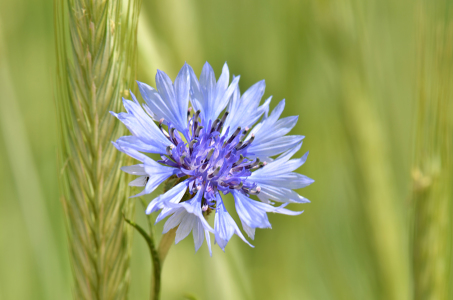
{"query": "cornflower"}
{"type": "Point", "coordinates": [204, 131]}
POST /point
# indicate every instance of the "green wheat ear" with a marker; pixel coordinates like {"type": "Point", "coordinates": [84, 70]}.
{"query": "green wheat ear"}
{"type": "Point", "coordinates": [96, 59]}
{"type": "Point", "coordinates": [432, 194]}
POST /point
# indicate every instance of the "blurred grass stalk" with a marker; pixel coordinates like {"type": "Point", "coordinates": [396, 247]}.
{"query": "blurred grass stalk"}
{"type": "Point", "coordinates": [31, 199]}
{"type": "Point", "coordinates": [433, 159]}
{"type": "Point", "coordinates": [96, 61]}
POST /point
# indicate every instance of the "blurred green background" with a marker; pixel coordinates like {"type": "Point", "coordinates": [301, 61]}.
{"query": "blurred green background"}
{"type": "Point", "coordinates": [348, 68]}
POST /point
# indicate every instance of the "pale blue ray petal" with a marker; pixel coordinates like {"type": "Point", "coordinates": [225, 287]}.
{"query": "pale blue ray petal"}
{"type": "Point", "coordinates": [149, 112]}
{"type": "Point", "coordinates": [140, 181]}
{"type": "Point", "coordinates": [245, 111]}
{"type": "Point", "coordinates": [267, 124]}
{"type": "Point", "coordinates": [198, 234]}
{"type": "Point", "coordinates": [196, 96]}
{"type": "Point", "coordinates": [131, 152]}
{"type": "Point", "coordinates": [174, 195]}
{"type": "Point", "coordinates": [154, 181]}
{"type": "Point", "coordinates": [274, 147]}
{"type": "Point", "coordinates": [224, 98]}
{"type": "Point", "coordinates": [156, 172]}
{"type": "Point", "coordinates": [166, 89]}
{"type": "Point", "coordinates": [193, 206]}
{"type": "Point", "coordinates": [225, 226]}
{"type": "Point", "coordinates": [288, 180]}
{"type": "Point", "coordinates": [168, 102]}
{"type": "Point", "coordinates": [293, 164]}
{"type": "Point", "coordinates": [249, 230]}
{"type": "Point", "coordinates": [133, 125]}
{"type": "Point", "coordinates": [254, 94]}
{"type": "Point", "coordinates": [282, 210]}
{"type": "Point", "coordinates": [222, 83]}
{"type": "Point", "coordinates": [223, 92]}
{"type": "Point", "coordinates": [134, 169]}
{"type": "Point", "coordinates": [283, 158]}
{"type": "Point", "coordinates": [207, 87]}
{"type": "Point", "coordinates": [279, 129]}
{"type": "Point", "coordinates": [186, 226]}
{"type": "Point", "coordinates": [137, 144]}
{"type": "Point", "coordinates": [174, 220]}
{"type": "Point", "coordinates": [182, 86]}
{"type": "Point", "coordinates": [159, 108]}
{"type": "Point", "coordinates": [152, 133]}
{"type": "Point", "coordinates": [279, 194]}
{"type": "Point", "coordinates": [264, 132]}
{"type": "Point", "coordinates": [210, 97]}
{"type": "Point", "coordinates": [253, 213]}
{"type": "Point", "coordinates": [208, 241]}
{"type": "Point", "coordinates": [250, 212]}
{"type": "Point", "coordinates": [280, 166]}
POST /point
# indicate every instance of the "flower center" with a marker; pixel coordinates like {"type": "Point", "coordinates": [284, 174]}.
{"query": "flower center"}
{"type": "Point", "coordinates": [211, 160]}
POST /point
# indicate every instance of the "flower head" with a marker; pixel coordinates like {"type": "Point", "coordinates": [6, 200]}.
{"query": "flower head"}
{"type": "Point", "coordinates": [203, 131]}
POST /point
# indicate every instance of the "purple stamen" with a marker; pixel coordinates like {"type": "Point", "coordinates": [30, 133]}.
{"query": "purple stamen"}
{"type": "Point", "coordinates": [222, 121]}
{"type": "Point", "coordinates": [234, 135]}
{"type": "Point", "coordinates": [211, 160]}
{"type": "Point", "coordinates": [197, 132]}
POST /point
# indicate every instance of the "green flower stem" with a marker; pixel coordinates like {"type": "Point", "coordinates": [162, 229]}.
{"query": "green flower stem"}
{"type": "Point", "coordinates": [157, 267]}
{"type": "Point", "coordinates": [157, 254]}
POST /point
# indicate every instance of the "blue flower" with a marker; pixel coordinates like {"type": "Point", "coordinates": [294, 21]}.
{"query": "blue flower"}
{"type": "Point", "coordinates": [214, 141]}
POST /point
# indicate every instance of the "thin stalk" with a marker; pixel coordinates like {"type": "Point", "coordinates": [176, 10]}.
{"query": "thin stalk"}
{"type": "Point", "coordinates": [432, 195]}
{"type": "Point", "coordinates": [159, 253]}
{"type": "Point", "coordinates": [157, 269]}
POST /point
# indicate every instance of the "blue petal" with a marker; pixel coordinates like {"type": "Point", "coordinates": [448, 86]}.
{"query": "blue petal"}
{"type": "Point", "coordinates": [159, 108]}
{"type": "Point", "coordinates": [157, 173]}
{"type": "Point", "coordinates": [196, 96]}
{"type": "Point", "coordinates": [225, 226]}
{"type": "Point", "coordinates": [279, 174]}
{"type": "Point", "coordinates": [207, 87]}
{"type": "Point", "coordinates": [272, 128]}
{"type": "Point", "coordinates": [170, 102]}
{"type": "Point", "coordinates": [140, 181]}
{"type": "Point", "coordinates": [193, 206]}
{"type": "Point", "coordinates": [138, 144]}
{"type": "Point", "coordinates": [253, 213]}
{"type": "Point", "coordinates": [188, 223]}
{"type": "Point", "coordinates": [210, 97]}
{"type": "Point", "coordinates": [166, 90]}
{"type": "Point", "coordinates": [245, 111]}
{"type": "Point", "coordinates": [279, 194]}
{"type": "Point", "coordinates": [208, 241]}
{"type": "Point", "coordinates": [281, 165]}
{"type": "Point", "coordinates": [131, 152]}
{"type": "Point", "coordinates": [276, 179]}
{"type": "Point", "coordinates": [182, 87]}
{"type": "Point", "coordinates": [188, 216]}
{"type": "Point", "coordinates": [174, 195]}
{"type": "Point", "coordinates": [175, 219]}
{"type": "Point", "coordinates": [134, 170]}
{"type": "Point", "coordinates": [289, 180]}
{"type": "Point", "coordinates": [223, 92]}
{"type": "Point", "coordinates": [142, 127]}
{"type": "Point", "coordinates": [274, 147]}
{"type": "Point", "coordinates": [198, 234]}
